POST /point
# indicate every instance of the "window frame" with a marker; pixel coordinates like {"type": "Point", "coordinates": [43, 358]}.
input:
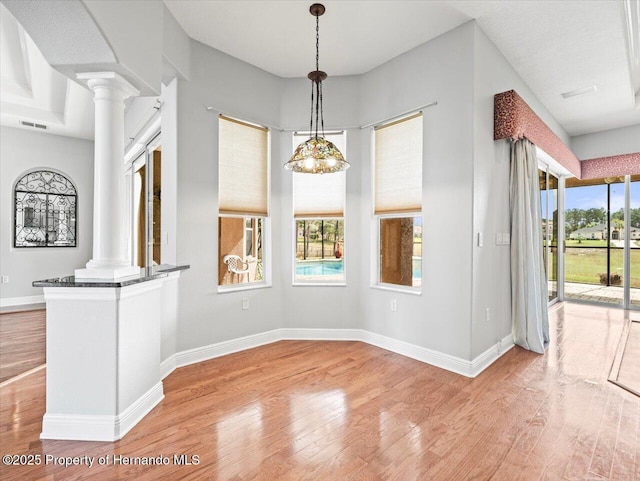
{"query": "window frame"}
{"type": "Point", "coordinates": [47, 214]}
{"type": "Point", "coordinates": [338, 283]}
{"type": "Point", "coordinates": [301, 134]}
{"type": "Point", "coordinates": [266, 281]}
{"type": "Point", "coordinates": [376, 258]}
{"type": "Point", "coordinates": [376, 218]}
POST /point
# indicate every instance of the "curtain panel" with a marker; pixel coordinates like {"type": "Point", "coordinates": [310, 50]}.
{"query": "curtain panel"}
{"type": "Point", "coordinates": [528, 277]}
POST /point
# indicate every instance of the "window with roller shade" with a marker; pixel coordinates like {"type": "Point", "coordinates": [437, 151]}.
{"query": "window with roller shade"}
{"type": "Point", "coordinates": [243, 199]}
{"type": "Point", "coordinates": [398, 201]}
{"type": "Point", "coordinates": [318, 209]}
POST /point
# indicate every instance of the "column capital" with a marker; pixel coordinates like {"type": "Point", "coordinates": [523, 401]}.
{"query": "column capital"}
{"type": "Point", "coordinates": [108, 80]}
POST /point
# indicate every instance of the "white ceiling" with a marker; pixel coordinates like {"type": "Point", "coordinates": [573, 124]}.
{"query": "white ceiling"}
{"type": "Point", "coordinates": [555, 45]}
{"type": "Point", "coordinates": [32, 91]}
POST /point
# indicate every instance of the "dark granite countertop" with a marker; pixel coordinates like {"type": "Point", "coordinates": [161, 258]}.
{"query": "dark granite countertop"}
{"type": "Point", "coordinates": [146, 274]}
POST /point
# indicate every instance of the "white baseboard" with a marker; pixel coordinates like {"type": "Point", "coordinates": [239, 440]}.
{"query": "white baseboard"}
{"type": "Point", "coordinates": [419, 353]}
{"type": "Point", "coordinates": [21, 301]}
{"type": "Point", "coordinates": [293, 334]}
{"type": "Point", "coordinates": [489, 356]}
{"type": "Point", "coordinates": [139, 409]}
{"type": "Point", "coordinates": [83, 427]}
{"type": "Point", "coordinates": [212, 351]}
{"type": "Point", "coordinates": [423, 354]}
{"type": "Point", "coordinates": [168, 366]}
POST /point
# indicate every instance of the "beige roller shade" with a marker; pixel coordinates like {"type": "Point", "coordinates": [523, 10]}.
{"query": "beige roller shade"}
{"type": "Point", "coordinates": [316, 196]}
{"type": "Point", "coordinates": [398, 166]}
{"type": "Point", "coordinates": [243, 168]}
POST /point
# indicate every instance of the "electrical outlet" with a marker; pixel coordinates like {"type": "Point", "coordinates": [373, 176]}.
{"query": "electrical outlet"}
{"type": "Point", "coordinates": [5, 279]}
{"type": "Point", "coordinates": [394, 305]}
{"type": "Point", "coordinates": [245, 304]}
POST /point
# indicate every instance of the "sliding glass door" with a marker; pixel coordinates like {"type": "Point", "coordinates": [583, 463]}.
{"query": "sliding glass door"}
{"type": "Point", "coordinates": [602, 236]}
{"type": "Point", "coordinates": [549, 214]}
{"type": "Point", "coordinates": [634, 241]}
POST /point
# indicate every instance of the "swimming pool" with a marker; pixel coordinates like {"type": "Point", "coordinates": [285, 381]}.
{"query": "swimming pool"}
{"type": "Point", "coordinates": [336, 267]}
{"type": "Point", "coordinates": [319, 268]}
{"type": "Point", "coordinates": [417, 267]}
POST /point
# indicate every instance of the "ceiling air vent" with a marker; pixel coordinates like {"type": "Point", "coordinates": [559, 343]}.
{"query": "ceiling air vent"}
{"type": "Point", "coordinates": [35, 126]}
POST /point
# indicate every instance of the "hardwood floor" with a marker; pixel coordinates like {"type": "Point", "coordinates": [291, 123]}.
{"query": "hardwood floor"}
{"type": "Point", "coordinates": [22, 342]}
{"type": "Point", "coordinates": [629, 372]}
{"type": "Point", "coordinates": [347, 411]}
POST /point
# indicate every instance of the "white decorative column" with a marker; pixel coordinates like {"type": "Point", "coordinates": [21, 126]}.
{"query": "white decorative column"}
{"type": "Point", "coordinates": [110, 259]}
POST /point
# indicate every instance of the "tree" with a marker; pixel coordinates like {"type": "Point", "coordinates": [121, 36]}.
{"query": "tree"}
{"type": "Point", "coordinates": [634, 215]}
{"type": "Point", "coordinates": [573, 220]}
{"type": "Point", "coordinates": [618, 215]}
{"type": "Point", "coordinates": [595, 216]}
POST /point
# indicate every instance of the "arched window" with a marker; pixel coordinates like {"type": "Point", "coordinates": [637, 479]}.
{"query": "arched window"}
{"type": "Point", "coordinates": [45, 210]}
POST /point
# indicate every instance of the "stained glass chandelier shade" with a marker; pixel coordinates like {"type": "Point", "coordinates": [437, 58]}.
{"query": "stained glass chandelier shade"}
{"type": "Point", "coordinates": [317, 155]}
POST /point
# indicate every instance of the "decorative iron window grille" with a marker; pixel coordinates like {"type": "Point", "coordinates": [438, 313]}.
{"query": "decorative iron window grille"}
{"type": "Point", "coordinates": [45, 210]}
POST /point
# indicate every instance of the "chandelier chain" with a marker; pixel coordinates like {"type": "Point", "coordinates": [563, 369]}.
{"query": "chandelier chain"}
{"type": "Point", "coordinates": [318, 104]}
{"type": "Point", "coordinates": [311, 119]}
{"type": "Point", "coordinates": [321, 109]}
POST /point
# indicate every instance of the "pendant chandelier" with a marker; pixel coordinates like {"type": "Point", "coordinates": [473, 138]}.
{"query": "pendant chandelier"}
{"type": "Point", "coordinates": [317, 155]}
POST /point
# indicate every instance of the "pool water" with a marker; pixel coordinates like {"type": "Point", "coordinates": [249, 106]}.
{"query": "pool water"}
{"type": "Point", "coordinates": [319, 268]}
{"type": "Point", "coordinates": [332, 268]}
{"type": "Point", "coordinates": [417, 267]}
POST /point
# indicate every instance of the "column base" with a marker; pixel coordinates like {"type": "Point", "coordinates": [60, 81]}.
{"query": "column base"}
{"type": "Point", "coordinates": [102, 273]}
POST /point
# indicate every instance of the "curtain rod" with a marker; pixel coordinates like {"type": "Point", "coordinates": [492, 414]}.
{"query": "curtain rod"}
{"type": "Point", "coordinates": [407, 112]}
{"type": "Point", "coordinates": [241, 118]}
{"type": "Point", "coordinates": [361, 127]}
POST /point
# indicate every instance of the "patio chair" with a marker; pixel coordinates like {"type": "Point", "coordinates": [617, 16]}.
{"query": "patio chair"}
{"type": "Point", "coordinates": [236, 265]}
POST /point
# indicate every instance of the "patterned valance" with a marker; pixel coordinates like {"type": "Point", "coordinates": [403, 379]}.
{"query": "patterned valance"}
{"type": "Point", "coordinates": [514, 119]}
{"type": "Point", "coordinates": [615, 166]}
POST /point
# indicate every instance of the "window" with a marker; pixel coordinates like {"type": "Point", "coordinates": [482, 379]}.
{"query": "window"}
{"type": "Point", "coordinates": [398, 201]}
{"type": "Point", "coordinates": [145, 183]}
{"type": "Point", "coordinates": [318, 209]}
{"type": "Point", "coordinates": [45, 204]}
{"type": "Point", "coordinates": [243, 202]}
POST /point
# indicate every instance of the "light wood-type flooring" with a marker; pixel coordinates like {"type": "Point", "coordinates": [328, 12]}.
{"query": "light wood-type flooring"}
{"type": "Point", "coordinates": [347, 411]}
{"type": "Point", "coordinates": [22, 342]}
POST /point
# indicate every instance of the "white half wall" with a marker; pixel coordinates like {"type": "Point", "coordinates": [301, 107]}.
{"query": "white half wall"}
{"type": "Point", "coordinates": [20, 151]}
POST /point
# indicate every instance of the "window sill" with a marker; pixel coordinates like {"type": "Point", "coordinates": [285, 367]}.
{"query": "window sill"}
{"type": "Point", "coordinates": [321, 284]}
{"type": "Point", "coordinates": [239, 287]}
{"type": "Point", "coordinates": [414, 291]}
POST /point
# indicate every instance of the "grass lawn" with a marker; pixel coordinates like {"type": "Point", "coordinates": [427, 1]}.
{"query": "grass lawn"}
{"type": "Point", "coordinates": [586, 243]}
{"type": "Point", "coordinates": [586, 265]}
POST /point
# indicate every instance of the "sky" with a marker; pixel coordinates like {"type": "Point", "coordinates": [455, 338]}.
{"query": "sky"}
{"type": "Point", "coordinates": [596, 196]}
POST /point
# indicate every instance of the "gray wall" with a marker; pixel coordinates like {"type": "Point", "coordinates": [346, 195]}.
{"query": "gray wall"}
{"type": "Point", "coordinates": [21, 151]}
{"type": "Point", "coordinates": [240, 90]}
{"type": "Point", "coordinates": [491, 263]}
{"type": "Point", "coordinates": [465, 185]}
{"type": "Point", "coordinates": [465, 191]}
{"type": "Point", "coordinates": [440, 70]}
{"type": "Point", "coordinates": [331, 307]}
{"type": "Point", "coordinates": [625, 140]}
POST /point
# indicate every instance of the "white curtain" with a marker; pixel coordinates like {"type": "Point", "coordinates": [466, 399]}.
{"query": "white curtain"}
{"type": "Point", "coordinates": [528, 278]}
